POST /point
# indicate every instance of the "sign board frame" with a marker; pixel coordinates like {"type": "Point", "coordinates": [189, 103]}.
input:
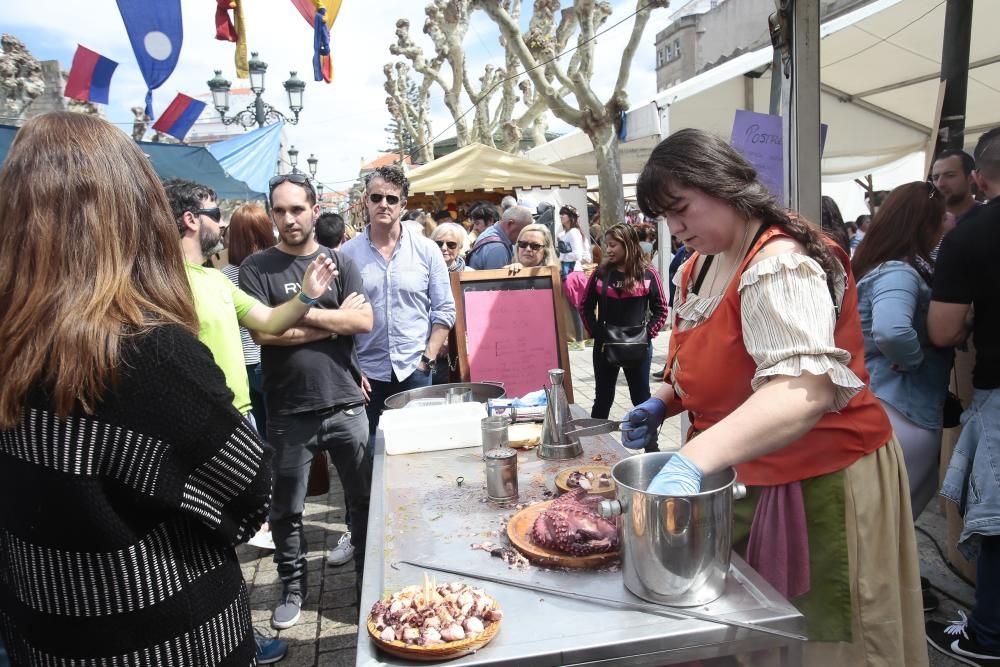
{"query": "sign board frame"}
{"type": "Point", "coordinates": [543, 278]}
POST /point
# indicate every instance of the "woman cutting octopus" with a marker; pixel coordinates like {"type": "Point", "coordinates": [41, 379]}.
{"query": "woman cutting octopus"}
{"type": "Point", "coordinates": [767, 357]}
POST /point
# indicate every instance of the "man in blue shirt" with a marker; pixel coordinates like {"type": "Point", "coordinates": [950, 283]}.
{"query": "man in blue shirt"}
{"type": "Point", "coordinates": [494, 248]}
{"type": "Point", "coordinates": [406, 282]}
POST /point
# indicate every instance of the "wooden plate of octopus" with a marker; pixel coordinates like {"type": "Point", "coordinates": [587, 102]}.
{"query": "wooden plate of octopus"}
{"type": "Point", "coordinates": [465, 619]}
{"type": "Point", "coordinates": [595, 478]}
{"type": "Point", "coordinates": [600, 537]}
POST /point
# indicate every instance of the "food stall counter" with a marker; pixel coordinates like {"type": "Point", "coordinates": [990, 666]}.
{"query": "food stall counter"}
{"type": "Point", "coordinates": [431, 507]}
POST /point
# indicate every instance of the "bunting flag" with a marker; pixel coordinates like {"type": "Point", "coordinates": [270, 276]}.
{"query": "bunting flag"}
{"type": "Point", "coordinates": [322, 63]}
{"type": "Point", "coordinates": [156, 33]}
{"type": "Point", "coordinates": [89, 76]}
{"type": "Point", "coordinates": [179, 116]}
{"type": "Point", "coordinates": [227, 31]}
{"type": "Point", "coordinates": [320, 14]}
{"type": "Point", "coordinates": [308, 10]}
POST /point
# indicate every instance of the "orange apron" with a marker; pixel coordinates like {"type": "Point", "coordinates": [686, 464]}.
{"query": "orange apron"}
{"type": "Point", "coordinates": [712, 366]}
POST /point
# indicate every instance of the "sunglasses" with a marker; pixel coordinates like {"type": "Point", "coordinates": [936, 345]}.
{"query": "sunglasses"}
{"type": "Point", "coordinates": [298, 179]}
{"type": "Point", "coordinates": [213, 213]}
{"type": "Point", "coordinates": [524, 245]}
{"type": "Point", "coordinates": [451, 244]}
{"type": "Point", "coordinates": [931, 190]}
{"type": "Point", "coordinates": [377, 198]}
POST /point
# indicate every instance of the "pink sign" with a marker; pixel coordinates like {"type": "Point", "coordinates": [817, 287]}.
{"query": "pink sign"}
{"type": "Point", "coordinates": [511, 338]}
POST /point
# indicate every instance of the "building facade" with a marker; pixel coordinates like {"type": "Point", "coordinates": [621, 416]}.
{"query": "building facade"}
{"type": "Point", "coordinates": [714, 31]}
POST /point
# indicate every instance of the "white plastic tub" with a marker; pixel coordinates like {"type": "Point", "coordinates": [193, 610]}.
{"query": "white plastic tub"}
{"type": "Point", "coordinates": [432, 428]}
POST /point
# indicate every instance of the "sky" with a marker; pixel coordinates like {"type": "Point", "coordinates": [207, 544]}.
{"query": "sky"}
{"type": "Point", "coordinates": [343, 123]}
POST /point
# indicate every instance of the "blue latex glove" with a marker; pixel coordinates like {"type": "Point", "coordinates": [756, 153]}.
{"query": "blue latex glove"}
{"type": "Point", "coordinates": [679, 477]}
{"type": "Point", "coordinates": [641, 422]}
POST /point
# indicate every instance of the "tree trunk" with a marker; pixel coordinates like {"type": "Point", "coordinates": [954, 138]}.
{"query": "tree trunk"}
{"type": "Point", "coordinates": [609, 174]}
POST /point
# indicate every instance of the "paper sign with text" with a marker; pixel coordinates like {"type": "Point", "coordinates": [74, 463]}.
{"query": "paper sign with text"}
{"type": "Point", "coordinates": [758, 137]}
{"type": "Point", "coordinates": [511, 338]}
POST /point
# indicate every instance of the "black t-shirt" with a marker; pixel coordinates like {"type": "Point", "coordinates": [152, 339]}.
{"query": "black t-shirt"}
{"type": "Point", "coordinates": [968, 271]}
{"type": "Point", "coordinates": [311, 376]}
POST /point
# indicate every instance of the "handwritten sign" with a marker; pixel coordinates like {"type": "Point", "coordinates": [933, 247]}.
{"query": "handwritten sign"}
{"type": "Point", "coordinates": [758, 136]}
{"type": "Point", "coordinates": [508, 340]}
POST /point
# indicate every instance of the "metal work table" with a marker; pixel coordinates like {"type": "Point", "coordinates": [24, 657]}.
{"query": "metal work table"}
{"type": "Point", "coordinates": [418, 512]}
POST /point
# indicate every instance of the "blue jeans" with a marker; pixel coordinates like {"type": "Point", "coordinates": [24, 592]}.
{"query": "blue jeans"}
{"type": "Point", "coordinates": [382, 390]}
{"type": "Point", "coordinates": [605, 378]}
{"type": "Point", "coordinates": [985, 619]}
{"type": "Point", "coordinates": [972, 481]}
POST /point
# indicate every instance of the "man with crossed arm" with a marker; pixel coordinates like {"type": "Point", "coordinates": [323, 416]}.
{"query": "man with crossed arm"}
{"type": "Point", "coordinates": [312, 385]}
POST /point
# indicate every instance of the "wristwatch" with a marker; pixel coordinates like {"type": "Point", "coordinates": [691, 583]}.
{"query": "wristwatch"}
{"type": "Point", "coordinates": [306, 299]}
{"type": "Point", "coordinates": [431, 363]}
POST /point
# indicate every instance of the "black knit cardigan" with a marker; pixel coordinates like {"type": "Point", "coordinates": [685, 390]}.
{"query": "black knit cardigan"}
{"type": "Point", "coordinates": [117, 529]}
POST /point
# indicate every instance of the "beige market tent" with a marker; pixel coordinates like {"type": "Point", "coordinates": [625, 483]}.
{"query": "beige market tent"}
{"type": "Point", "coordinates": [480, 172]}
{"type": "Point", "coordinates": [879, 67]}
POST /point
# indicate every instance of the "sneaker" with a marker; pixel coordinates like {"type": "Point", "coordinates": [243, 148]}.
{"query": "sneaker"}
{"type": "Point", "coordinates": [287, 613]}
{"type": "Point", "coordinates": [263, 539]}
{"type": "Point", "coordinates": [956, 640]}
{"type": "Point", "coordinates": [269, 649]}
{"type": "Point", "coordinates": [343, 552]}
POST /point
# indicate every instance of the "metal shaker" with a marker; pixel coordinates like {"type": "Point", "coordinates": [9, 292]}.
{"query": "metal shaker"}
{"type": "Point", "coordinates": [501, 475]}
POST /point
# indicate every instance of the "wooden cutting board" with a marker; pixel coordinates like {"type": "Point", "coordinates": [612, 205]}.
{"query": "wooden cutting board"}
{"type": "Point", "coordinates": [519, 532]}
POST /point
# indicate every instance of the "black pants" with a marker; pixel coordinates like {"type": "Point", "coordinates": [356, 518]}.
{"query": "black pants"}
{"type": "Point", "coordinates": [343, 434]}
{"type": "Point", "coordinates": [606, 377]}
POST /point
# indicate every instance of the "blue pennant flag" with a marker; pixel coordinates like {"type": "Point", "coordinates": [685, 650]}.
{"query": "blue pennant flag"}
{"type": "Point", "coordinates": [156, 33]}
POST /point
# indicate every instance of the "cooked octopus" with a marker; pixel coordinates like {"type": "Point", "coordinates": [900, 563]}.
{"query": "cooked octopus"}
{"type": "Point", "coordinates": [571, 525]}
{"type": "Point", "coordinates": [587, 480]}
{"type": "Point", "coordinates": [431, 615]}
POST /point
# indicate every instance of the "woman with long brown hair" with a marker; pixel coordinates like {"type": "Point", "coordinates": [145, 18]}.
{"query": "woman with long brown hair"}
{"type": "Point", "coordinates": [909, 375]}
{"type": "Point", "coordinates": [249, 231]}
{"type": "Point", "coordinates": [766, 356]}
{"type": "Point", "coordinates": [127, 473]}
{"type": "Point", "coordinates": [624, 291]}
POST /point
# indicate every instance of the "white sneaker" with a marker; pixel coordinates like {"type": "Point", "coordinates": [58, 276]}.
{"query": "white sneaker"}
{"type": "Point", "coordinates": [263, 539]}
{"type": "Point", "coordinates": [343, 552]}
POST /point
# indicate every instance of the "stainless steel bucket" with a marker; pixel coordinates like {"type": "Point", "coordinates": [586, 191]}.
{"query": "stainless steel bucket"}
{"type": "Point", "coordinates": [481, 392]}
{"type": "Point", "coordinates": [675, 549]}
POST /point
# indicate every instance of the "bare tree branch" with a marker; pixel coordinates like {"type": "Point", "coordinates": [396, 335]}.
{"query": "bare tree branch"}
{"type": "Point", "coordinates": [537, 49]}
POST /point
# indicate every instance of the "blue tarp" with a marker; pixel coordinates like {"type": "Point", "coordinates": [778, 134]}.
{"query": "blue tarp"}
{"type": "Point", "coordinates": [251, 157]}
{"type": "Point", "coordinates": [175, 161]}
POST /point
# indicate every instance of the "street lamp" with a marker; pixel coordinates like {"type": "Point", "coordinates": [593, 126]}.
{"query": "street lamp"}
{"type": "Point", "coordinates": [319, 190]}
{"type": "Point", "coordinates": [293, 159]}
{"type": "Point", "coordinates": [312, 162]}
{"type": "Point", "coordinates": [258, 113]}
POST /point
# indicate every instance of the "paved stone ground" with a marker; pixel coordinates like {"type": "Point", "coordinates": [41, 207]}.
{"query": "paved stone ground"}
{"type": "Point", "coordinates": [326, 635]}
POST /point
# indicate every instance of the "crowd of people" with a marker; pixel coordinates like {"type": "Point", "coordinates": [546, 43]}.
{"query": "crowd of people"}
{"type": "Point", "coordinates": [158, 412]}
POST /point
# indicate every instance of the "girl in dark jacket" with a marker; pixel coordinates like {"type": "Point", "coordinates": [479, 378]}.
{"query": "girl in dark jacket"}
{"type": "Point", "coordinates": [634, 295]}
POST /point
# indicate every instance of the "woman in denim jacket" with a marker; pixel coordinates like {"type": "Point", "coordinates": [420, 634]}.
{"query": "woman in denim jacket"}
{"type": "Point", "coordinates": [909, 375]}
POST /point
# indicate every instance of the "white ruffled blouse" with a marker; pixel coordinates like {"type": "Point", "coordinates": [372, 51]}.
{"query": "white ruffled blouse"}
{"type": "Point", "coordinates": [788, 321]}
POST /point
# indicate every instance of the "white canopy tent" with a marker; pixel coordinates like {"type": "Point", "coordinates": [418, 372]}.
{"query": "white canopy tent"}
{"type": "Point", "coordinates": [880, 70]}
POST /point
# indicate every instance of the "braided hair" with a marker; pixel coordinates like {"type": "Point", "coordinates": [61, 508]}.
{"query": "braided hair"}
{"type": "Point", "coordinates": [697, 159]}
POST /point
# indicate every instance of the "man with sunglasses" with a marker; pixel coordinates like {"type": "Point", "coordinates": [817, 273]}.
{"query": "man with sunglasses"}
{"type": "Point", "coordinates": [407, 283]}
{"type": "Point", "coordinates": [312, 385]}
{"type": "Point", "coordinates": [494, 248]}
{"type": "Point", "coordinates": [221, 307]}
